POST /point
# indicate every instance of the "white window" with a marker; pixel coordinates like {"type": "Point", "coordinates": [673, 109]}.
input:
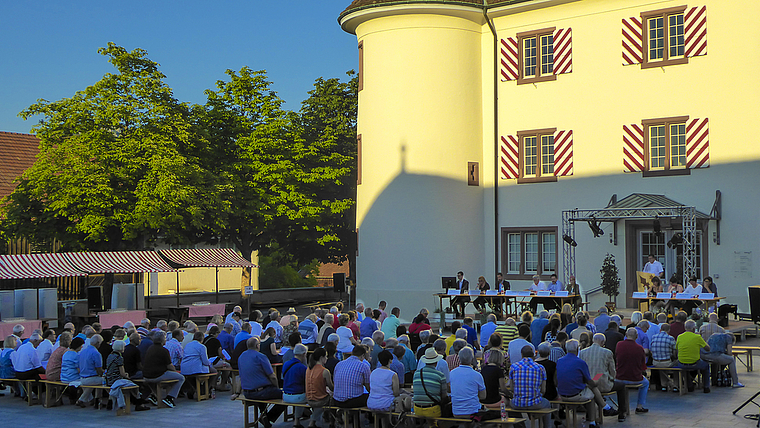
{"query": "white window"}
{"type": "Point", "coordinates": [529, 251]}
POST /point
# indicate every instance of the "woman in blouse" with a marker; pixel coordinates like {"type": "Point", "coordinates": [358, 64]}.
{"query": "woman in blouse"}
{"type": "Point", "coordinates": [53, 369]}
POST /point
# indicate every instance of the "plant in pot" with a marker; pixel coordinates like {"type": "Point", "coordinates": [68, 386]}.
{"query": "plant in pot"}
{"type": "Point", "coordinates": [610, 280]}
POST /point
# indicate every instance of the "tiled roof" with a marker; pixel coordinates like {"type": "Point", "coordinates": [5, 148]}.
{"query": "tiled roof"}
{"type": "Point", "coordinates": [363, 4]}
{"type": "Point", "coordinates": [17, 153]}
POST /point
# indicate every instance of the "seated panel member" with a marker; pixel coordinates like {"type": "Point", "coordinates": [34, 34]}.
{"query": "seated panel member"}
{"type": "Point", "coordinates": [480, 301]}
{"type": "Point", "coordinates": [535, 287]}
{"type": "Point", "coordinates": [460, 302]}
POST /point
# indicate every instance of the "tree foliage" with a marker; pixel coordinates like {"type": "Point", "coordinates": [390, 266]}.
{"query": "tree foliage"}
{"type": "Point", "coordinates": [123, 163]}
{"type": "Point", "coordinates": [610, 277]}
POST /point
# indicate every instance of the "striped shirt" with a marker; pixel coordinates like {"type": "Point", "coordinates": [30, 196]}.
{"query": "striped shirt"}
{"type": "Point", "coordinates": [175, 351]}
{"type": "Point", "coordinates": [507, 332]}
{"type": "Point", "coordinates": [434, 381]}
{"type": "Point", "coordinates": [708, 329]}
{"type": "Point", "coordinates": [526, 376]}
{"type": "Point", "coordinates": [350, 377]}
{"type": "Point", "coordinates": [556, 353]}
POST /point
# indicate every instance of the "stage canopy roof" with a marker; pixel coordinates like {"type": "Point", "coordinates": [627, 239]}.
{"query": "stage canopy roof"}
{"type": "Point", "coordinates": [118, 262]}
{"type": "Point", "coordinates": [206, 257]}
{"type": "Point", "coordinates": [25, 266]}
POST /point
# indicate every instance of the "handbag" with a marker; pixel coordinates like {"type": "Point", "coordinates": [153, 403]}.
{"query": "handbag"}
{"type": "Point", "coordinates": [444, 403]}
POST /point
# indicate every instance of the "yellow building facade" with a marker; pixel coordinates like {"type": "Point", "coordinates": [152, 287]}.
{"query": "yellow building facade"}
{"type": "Point", "coordinates": [480, 125]}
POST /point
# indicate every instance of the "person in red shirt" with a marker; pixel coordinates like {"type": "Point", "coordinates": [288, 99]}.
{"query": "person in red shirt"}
{"type": "Point", "coordinates": [418, 324]}
{"type": "Point", "coordinates": [677, 327]}
{"type": "Point", "coordinates": [630, 365]}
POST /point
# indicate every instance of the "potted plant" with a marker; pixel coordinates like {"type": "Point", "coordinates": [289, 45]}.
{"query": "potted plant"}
{"type": "Point", "coordinates": [610, 280]}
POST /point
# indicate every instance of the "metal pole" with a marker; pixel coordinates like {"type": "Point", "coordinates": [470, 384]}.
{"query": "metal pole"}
{"type": "Point", "coordinates": [217, 284]}
{"type": "Point", "coordinates": [178, 288]}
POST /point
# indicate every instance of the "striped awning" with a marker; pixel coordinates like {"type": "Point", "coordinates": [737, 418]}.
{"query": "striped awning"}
{"type": "Point", "coordinates": [118, 262]}
{"type": "Point", "coordinates": [206, 257]}
{"type": "Point", "coordinates": [24, 266]}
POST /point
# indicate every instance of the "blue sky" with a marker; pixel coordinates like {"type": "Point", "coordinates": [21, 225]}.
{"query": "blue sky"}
{"type": "Point", "coordinates": [49, 49]}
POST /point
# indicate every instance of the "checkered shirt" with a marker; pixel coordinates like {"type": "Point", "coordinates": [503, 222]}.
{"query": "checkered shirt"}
{"type": "Point", "coordinates": [350, 377]}
{"type": "Point", "coordinates": [526, 376]}
{"type": "Point", "coordinates": [662, 346]}
{"type": "Point", "coordinates": [175, 351]}
{"type": "Point", "coordinates": [708, 329]}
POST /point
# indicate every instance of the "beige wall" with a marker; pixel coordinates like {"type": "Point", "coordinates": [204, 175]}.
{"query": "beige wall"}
{"type": "Point", "coordinates": [194, 280]}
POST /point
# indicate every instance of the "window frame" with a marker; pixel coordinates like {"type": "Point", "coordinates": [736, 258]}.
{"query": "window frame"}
{"type": "Point", "coordinates": [668, 170]}
{"type": "Point", "coordinates": [539, 177]}
{"type": "Point", "coordinates": [506, 231]}
{"type": "Point", "coordinates": [521, 79]}
{"type": "Point", "coordinates": [665, 61]}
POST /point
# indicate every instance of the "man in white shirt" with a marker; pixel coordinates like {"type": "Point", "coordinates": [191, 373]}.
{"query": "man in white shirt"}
{"type": "Point", "coordinates": [536, 286]}
{"type": "Point", "coordinates": [654, 267]}
{"type": "Point", "coordinates": [25, 360]}
{"type": "Point", "coordinates": [45, 349]}
{"type": "Point", "coordinates": [514, 349]}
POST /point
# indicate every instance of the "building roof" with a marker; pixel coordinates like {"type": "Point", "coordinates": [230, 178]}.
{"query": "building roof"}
{"type": "Point", "coordinates": [17, 153]}
{"type": "Point", "coordinates": [645, 200]}
{"type": "Point", "coordinates": [365, 4]}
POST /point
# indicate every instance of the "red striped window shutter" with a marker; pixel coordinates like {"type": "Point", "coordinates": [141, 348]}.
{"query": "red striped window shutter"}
{"type": "Point", "coordinates": [697, 143]}
{"type": "Point", "coordinates": [563, 153]}
{"type": "Point", "coordinates": [563, 51]}
{"type": "Point", "coordinates": [633, 52]}
{"type": "Point", "coordinates": [633, 148]}
{"type": "Point", "coordinates": [509, 52]}
{"type": "Point", "coordinates": [510, 155]}
{"type": "Point", "coordinates": [695, 31]}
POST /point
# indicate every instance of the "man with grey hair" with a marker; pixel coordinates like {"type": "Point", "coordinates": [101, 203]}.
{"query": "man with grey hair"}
{"type": "Point", "coordinates": [26, 361]}
{"type": "Point", "coordinates": [278, 329]}
{"type": "Point", "coordinates": [158, 367]}
{"type": "Point", "coordinates": [711, 327]}
{"type": "Point", "coordinates": [190, 329]}
{"type": "Point", "coordinates": [601, 361]}
{"type": "Point", "coordinates": [162, 325]}
{"type": "Point", "coordinates": [574, 383]}
{"type": "Point", "coordinates": [642, 337]}
{"type": "Point", "coordinates": [442, 366]}
{"type": "Point", "coordinates": [360, 312]}
{"type": "Point", "coordinates": [424, 338]}
{"type": "Point", "coordinates": [631, 364]}
{"type": "Point", "coordinates": [226, 338]}
{"type": "Point", "coordinates": [326, 329]}
{"type": "Point", "coordinates": [688, 346]}
{"type": "Point", "coordinates": [467, 386]}
{"type": "Point", "coordinates": [236, 317]}
{"type": "Point", "coordinates": [18, 331]}
{"type": "Point", "coordinates": [410, 363]}
{"type": "Point", "coordinates": [487, 329]}
{"type": "Point", "coordinates": [90, 369]}
{"type": "Point", "coordinates": [602, 320]}
{"type": "Point", "coordinates": [378, 337]}
{"type": "Point", "coordinates": [544, 349]}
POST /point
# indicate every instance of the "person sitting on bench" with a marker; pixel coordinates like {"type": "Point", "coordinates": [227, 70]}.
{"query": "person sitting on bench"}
{"type": "Point", "coordinates": [259, 382]}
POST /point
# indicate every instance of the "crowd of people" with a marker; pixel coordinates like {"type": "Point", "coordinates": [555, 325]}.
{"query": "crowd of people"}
{"type": "Point", "coordinates": [365, 358]}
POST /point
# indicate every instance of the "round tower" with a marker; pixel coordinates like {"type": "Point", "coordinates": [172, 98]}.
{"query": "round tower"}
{"type": "Point", "coordinates": [420, 126]}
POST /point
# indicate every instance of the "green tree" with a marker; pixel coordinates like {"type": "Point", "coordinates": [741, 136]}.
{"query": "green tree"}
{"type": "Point", "coordinates": [272, 178]}
{"type": "Point", "coordinates": [112, 170]}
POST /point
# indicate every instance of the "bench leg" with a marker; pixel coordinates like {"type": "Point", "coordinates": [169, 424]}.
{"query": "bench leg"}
{"type": "Point", "coordinates": [48, 392]}
{"type": "Point", "coordinates": [127, 401]}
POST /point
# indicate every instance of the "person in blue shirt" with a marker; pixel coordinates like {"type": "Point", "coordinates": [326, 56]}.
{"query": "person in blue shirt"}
{"type": "Point", "coordinates": [227, 339]}
{"type": "Point", "coordinates": [602, 321]}
{"type": "Point", "coordinates": [487, 329]}
{"type": "Point", "coordinates": [536, 328]}
{"type": "Point", "coordinates": [259, 382]}
{"type": "Point", "coordinates": [90, 369]}
{"type": "Point", "coordinates": [309, 331]}
{"type": "Point", "coordinates": [472, 335]}
{"type": "Point", "coordinates": [294, 381]}
{"type": "Point", "coordinates": [369, 325]}
{"type": "Point", "coordinates": [245, 334]}
{"type": "Point", "coordinates": [574, 383]}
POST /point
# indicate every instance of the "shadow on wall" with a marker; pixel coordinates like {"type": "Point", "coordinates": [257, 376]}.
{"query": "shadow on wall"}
{"type": "Point", "coordinates": [421, 227]}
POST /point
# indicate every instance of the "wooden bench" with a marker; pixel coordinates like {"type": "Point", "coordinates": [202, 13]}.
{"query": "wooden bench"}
{"type": "Point", "coordinates": [29, 387]}
{"type": "Point", "coordinates": [55, 390]}
{"type": "Point", "coordinates": [737, 351]}
{"type": "Point", "coordinates": [680, 373]}
{"type": "Point", "coordinates": [535, 416]}
{"type": "Point", "coordinates": [571, 409]}
{"type": "Point", "coordinates": [202, 386]}
{"type": "Point", "coordinates": [247, 403]}
{"type": "Point", "coordinates": [156, 387]}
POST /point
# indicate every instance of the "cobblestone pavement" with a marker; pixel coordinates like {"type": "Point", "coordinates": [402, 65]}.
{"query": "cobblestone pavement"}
{"type": "Point", "coordinates": [666, 410]}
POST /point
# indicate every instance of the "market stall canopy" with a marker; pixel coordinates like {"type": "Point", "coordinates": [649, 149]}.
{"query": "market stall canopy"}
{"type": "Point", "coordinates": [206, 257]}
{"type": "Point", "coordinates": [118, 262]}
{"type": "Point", "coordinates": [23, 266]}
